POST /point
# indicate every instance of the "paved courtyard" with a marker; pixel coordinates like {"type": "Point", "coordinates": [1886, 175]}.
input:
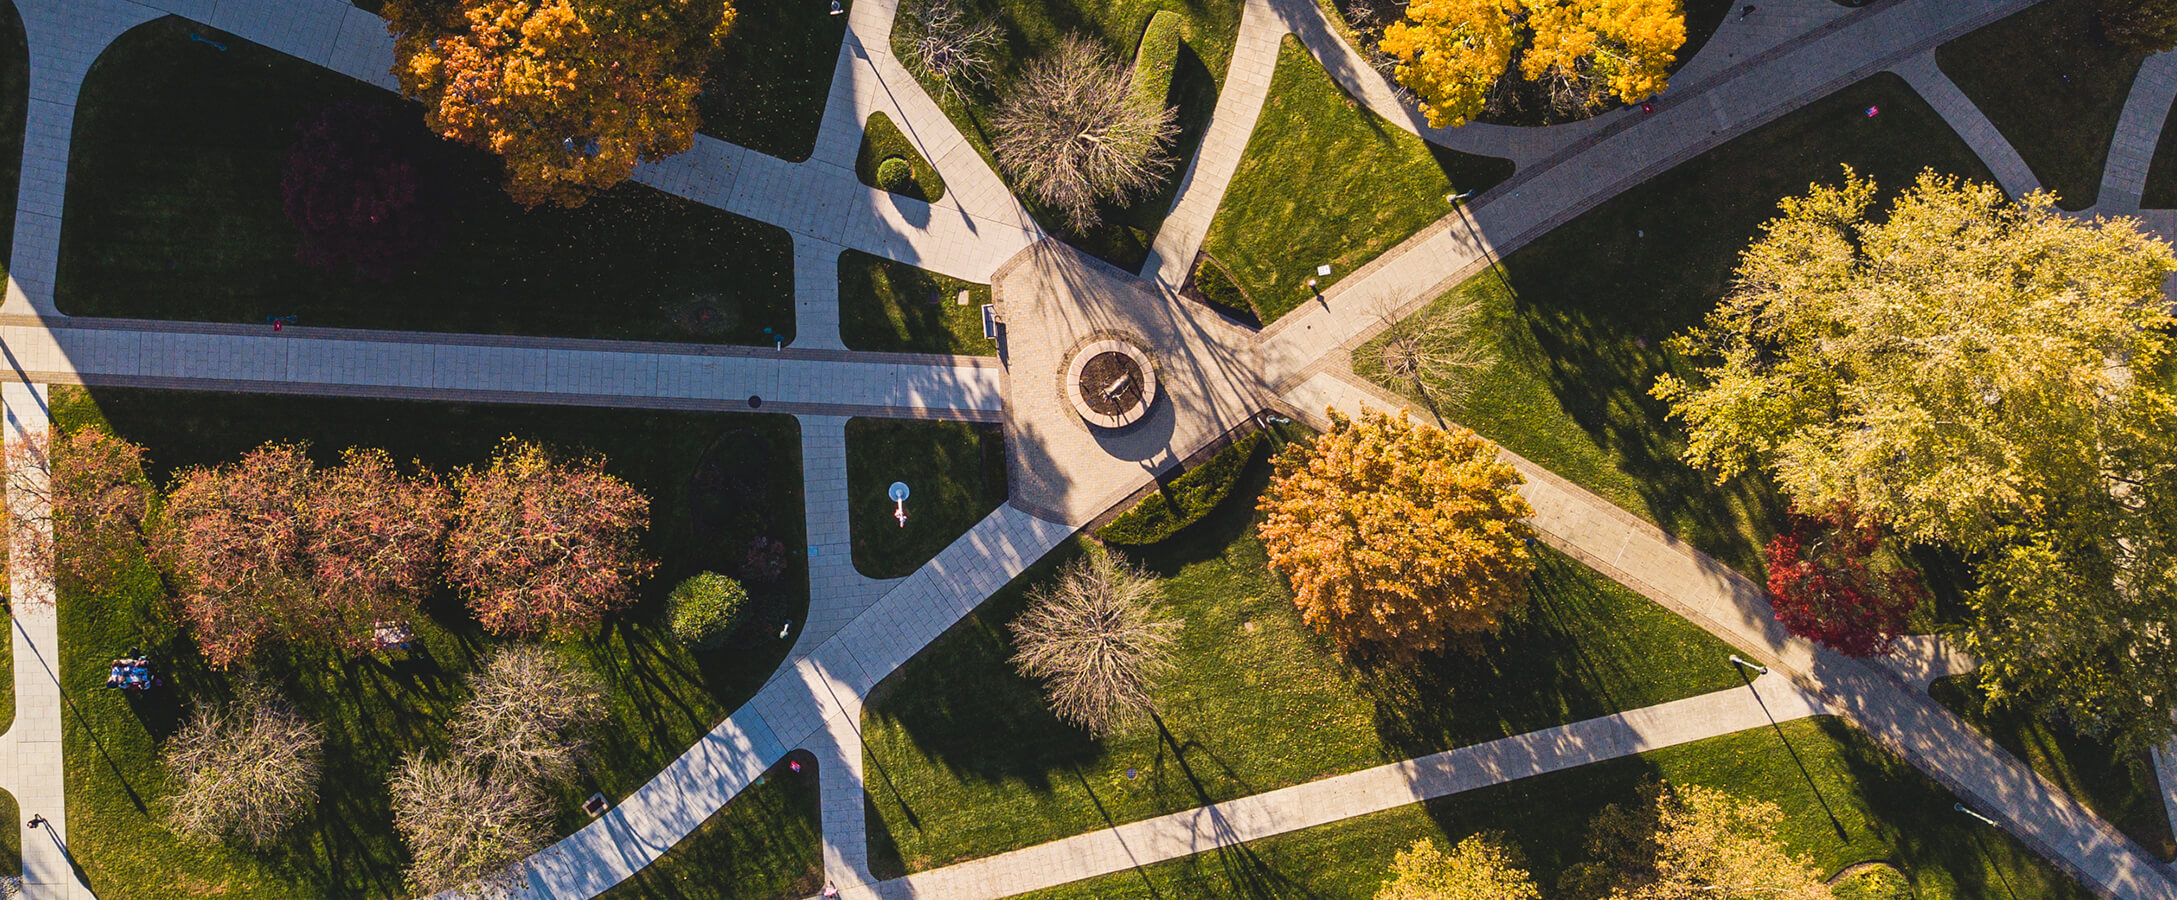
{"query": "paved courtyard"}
{"type": "Point", "coordinates": [1214, 377]}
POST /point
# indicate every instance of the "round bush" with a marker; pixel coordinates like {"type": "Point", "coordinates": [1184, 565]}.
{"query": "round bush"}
{"type": "Point", "coordinates": [896, 175]}
{"type": "Point", "coordinates": [706, 609]}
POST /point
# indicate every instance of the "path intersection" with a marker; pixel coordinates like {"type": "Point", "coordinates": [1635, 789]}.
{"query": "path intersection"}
{"type": "Point", "coordinates": [1218, 378]}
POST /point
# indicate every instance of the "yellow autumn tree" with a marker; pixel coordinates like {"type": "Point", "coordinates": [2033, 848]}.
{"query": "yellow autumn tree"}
{"type": "Point", "coordinates": [1604, 48]}
{"type": "Point", "coordinates": [571, 94]}
{"type": "Point", "coordinates": [1450, 52]}
{"type": "Point", "coordinates": [1453, 53]}
{"type": "Point", "coordinates": [1398, 537]}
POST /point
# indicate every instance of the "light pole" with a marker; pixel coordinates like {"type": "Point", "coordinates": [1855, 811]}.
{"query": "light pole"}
{"type": "Point", "coordinates": [1756, 668]}
{"type": "Point", "coordinates": [898, 493]}
{"type": "Point", "coordinates": [1984, 819]}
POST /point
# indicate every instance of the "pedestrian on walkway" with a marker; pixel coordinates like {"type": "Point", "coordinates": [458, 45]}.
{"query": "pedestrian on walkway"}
{"type": "Point", "coordinates": [1745, 11]}
{"type": "Point", "coordinates": [829, 890]}
{"type": "Point", "coordinates": [36, 821]}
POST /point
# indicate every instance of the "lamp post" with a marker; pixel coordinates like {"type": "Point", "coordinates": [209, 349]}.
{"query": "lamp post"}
{"type": "Point", "coordinates": [898, 493]}
{"type": "Point", "coordinates": [1756, 668]}
{"type": "Point", "coordinates": [1984, 819]}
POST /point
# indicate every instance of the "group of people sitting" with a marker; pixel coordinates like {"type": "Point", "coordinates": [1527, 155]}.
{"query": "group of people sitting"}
{"type": "Point", "coordinates": [132, 673]}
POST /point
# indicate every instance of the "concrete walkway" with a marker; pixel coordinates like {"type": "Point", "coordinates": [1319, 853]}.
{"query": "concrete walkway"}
{"type": "Point", "coordinates": [1770, 699]}
{"type": "Point", "coordinates": [1730, 103]}
{"type": "Point", "coordinates": [32, 766]}
{"type": "Point", "coordinates": [1927, 80]}
{"type": "Point", "coordinates": [1202, 186]}
{"type": "Point", "coordinates": [2139, 128]}
{"type": "Point", "coordinates": [427, 365]}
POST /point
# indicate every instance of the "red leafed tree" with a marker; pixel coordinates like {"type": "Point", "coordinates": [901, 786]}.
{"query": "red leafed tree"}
{"type": "Point", "coordinates": [374, 541]}
{"type": "Point", "coordinates": [99, 501]}
{"type": "Point", "coordinates": [271, 547]}
{"type": "Point", "coordinates": [544, 545]}
{"type": "Point", "coordinates": [1823, 589]}
{"type": "Point", "coordinates": [354, 187]}
{"type": "Point", "coordinates": [235, 537]}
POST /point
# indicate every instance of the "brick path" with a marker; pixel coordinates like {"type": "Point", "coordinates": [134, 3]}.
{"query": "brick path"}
{"type": "Point", "coordinates": [2138, 129]}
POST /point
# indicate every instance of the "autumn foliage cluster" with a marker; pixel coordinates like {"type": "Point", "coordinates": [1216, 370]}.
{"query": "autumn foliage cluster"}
{"type": "Point", "coordinates": [275, 547]}
{"type": "Point", "coordinates": [1452, 53]}
{"type": "Point", "coordinates": [571, 94]}
{"type": "Point", "coordinates": [1823, 589]}
{"type": "Point", "coordinates": [1398, 538]}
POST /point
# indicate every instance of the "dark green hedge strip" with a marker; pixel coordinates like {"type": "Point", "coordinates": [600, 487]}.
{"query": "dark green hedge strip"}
{"type": "Point", "coordinates": [1157, 57]}
{"type": "Point", "coordinates": [1194, 494]}
{"type": "Point", "coordinates": [1211, 281]}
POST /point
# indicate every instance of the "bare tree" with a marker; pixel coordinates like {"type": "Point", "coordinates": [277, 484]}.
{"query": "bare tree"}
{"type": "Point", "coordinates": [463, 825]}
{"type": "Point", "coordinates": [945, 44]}
{"type": "Point", "coordinates": [1095, 639]}
{"type": "Point", "coordinates": [1073, 134]}
{"type": "Point", "coordinates": [530, 717]}
{"type": "Point", "coordinates": [1437, 349]}
{"type": "Point", "coordinates": [247, 770]}
{"type": "Point", "coordinates": [29, 504]}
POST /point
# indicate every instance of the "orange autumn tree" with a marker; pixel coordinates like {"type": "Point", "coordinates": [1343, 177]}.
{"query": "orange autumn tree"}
{"type": "Point", "coordinates": [1398, 538]}
{"type": "Point", "coordinates": [571, 94]}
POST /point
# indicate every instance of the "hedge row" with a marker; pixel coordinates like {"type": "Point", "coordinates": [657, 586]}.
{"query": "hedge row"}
{"type": "Point", "coordinates": [1156, 58]}
{"type": "Point", "coordinates": [1212, 282]}
{"type": "Point", "coordinates": [1187, 499]}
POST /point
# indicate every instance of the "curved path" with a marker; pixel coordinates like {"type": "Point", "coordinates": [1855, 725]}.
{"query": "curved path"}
{"type": "Point", "coordinates": [867, 627]}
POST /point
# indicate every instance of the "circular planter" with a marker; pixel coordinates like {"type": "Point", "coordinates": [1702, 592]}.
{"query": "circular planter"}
{"type": "Point", "coordinates": [1111, 383]}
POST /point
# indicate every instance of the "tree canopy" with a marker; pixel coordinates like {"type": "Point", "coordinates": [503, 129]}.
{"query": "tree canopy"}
{"type": "Point", "coordinates": [570, 93]}
{"type": "Point", "coordinates": [1095, 639]}
{"type": "Point", "coordinates": [1978, 372]}
{"type": "Point", "coordinates": [1482, 867]}
{"type": "Point", "coordinates": [544, 545]}
{"type": "Point", "coordinates": [1452, 53]}
{"type": "Point", "coordinates": [2139, 26]}
{"type": "Point", "coordinates": [1398, 537]}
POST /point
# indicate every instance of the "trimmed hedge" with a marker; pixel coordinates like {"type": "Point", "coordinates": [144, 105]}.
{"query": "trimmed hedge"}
{"type": "Point", "coordinates": [1157, 57]}
{"type": "Point", "coordinates": [706, 609]}
{"type": "Point", "coordinates": [882, 142]}
{"type": "Point", "coordinates": [1194, 493]}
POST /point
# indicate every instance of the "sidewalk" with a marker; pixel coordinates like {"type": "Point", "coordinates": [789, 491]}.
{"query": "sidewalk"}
{"type": "Point", "coordinates": [1136, 844]}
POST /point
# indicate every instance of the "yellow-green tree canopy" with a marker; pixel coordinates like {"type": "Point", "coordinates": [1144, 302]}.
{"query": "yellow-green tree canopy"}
{"type": "Point", "coordinates": [1453, 52]}
{"type": "Point", "coordinates": [1979, 372]}
{"type": "Point", "coordinates": [1482, 867]}
{"type": "Point", "coordinates": [570, 93]}
{"type": "Point", "coordinates": [1396, 537]}
{"type": "Point", "coordinates": [1709, 844]}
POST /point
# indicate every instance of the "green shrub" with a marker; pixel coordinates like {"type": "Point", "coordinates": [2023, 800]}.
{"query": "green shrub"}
{"type": "Point", "coordinates": [1876, 882]}
{"type": "Point", "coordinates": [896, 175]}
{"type": "Point", "coordinates": [1186, 500]}
{"type": "Point", "coordinates": [1218, 288]}
{"type": "Point", "coordinates": [885, 153]}
{"type": "Point", "coordinates": [1157, 57]}
{"type": "Point", "coordinates": [706, 608]}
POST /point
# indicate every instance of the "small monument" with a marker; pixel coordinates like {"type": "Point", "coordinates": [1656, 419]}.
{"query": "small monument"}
{"type": "Point", "coordinates": [1111, 383]}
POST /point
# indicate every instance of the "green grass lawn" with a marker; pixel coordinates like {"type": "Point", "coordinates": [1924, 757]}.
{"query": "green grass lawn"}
{"type": "Point", "coordinates": [14, 106]}
{"type": "Point", "coordinates": [2053, 86]}
{"type": "Point", "coordinates": [1032, 27]}
{"type": "Point", "coordinates": [767, 82]}
{"type": "Point", "coordinates": [765, 845]}
{"type": "Point", "coordinates": [966, 760]}
{"type": "Point", "coordinates": [715, 480]}
{"type": "Point", "coordinates": [175, 210]}
{"type": "Point", "coordinates": [889, 305]}
{"type": "Point", "coordinates": [955, 472]}
{"type": "Point", "coordinates": [2118, 787]}
{"type": "Point", "coordinates": [881, 141]}
{"type": "Point", "coordinates": [1579, 316]}
{"type": "Point", "coordinates": [1853, 802]}
{"type": "Point", "coordinates": [1325, 180]}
